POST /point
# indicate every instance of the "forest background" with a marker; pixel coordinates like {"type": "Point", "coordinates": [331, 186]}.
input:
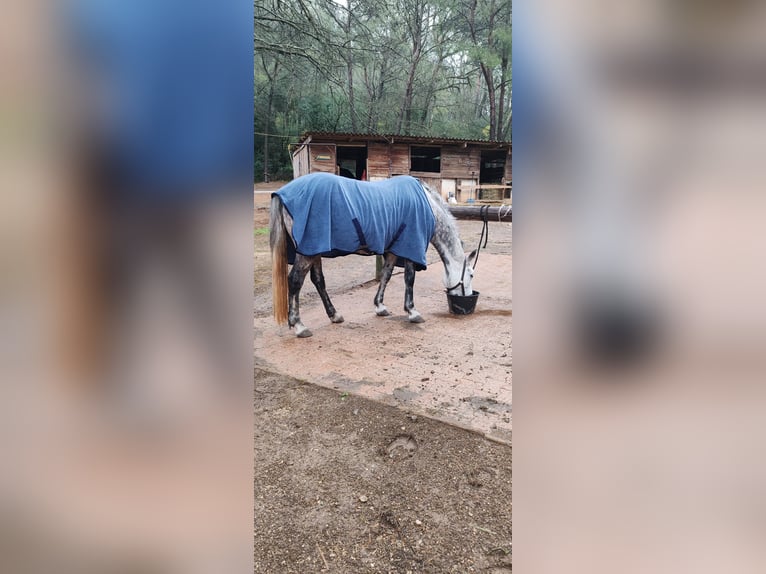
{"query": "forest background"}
{"type": "Point", "coordinates": [414, 67]}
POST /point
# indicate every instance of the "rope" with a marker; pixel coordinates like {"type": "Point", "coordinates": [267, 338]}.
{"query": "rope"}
{"type": "Point", "coordinates": [484, 212]}
{"type": "Point", "coordinates": [274, 135]}
{"type": "Point", "coordinates": [484, 237]}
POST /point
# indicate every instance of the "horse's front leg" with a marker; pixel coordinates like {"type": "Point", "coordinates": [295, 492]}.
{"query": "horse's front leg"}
{"type": "Point", "coordinates": [294, 283]}
{"type": "Point", "coordinates": [385, 275]}
{"type": "Point", "coordinates": [409, 284]}
{"type": "Point", "coordinates": [317, 278]}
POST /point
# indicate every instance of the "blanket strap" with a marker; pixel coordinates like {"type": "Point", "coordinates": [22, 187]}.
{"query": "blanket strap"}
{"type": "Point", "coordinates": [360, 234]}
{"type": "Point", "coordinates": [396, 235]}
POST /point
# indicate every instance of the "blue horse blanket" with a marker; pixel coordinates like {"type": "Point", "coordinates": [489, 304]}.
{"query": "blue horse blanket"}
{"type": "Point", "coordinates": [334, 216]}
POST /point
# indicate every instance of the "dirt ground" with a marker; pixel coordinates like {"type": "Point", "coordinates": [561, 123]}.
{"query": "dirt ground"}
{"type": "Point", "coordinates": [344, 484]}
{"type": "Point", "coordinates": [348, 484]}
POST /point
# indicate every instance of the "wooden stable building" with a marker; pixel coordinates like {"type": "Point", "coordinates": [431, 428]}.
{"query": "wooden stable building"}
{"type": "Point", "coordinates": [464, 169]}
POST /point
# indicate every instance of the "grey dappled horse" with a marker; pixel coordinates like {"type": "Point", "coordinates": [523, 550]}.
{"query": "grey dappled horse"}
{"type": "Point", "coordinates": [286, 288]}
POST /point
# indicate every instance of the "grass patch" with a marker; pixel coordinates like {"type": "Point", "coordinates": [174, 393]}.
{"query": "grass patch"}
{"type": "Point", "coordinates": [261, 231]}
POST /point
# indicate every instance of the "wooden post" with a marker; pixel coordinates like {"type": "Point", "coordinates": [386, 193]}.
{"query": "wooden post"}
{"type": "Point", "coordinates": [502, 213]}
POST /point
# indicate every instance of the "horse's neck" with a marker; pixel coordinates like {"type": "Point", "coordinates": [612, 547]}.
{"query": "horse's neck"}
{"type": "Point", "coordinates": [446, 241]}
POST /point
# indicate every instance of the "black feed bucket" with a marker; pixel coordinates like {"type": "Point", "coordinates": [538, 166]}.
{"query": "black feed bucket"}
{"type": "Point", "coordinates": [462, 304]}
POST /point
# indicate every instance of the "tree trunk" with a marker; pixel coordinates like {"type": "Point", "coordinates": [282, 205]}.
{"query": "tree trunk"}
{"type": "Point", "coordinates": [478, 97]}
{"type": "Point", "coordinates": [405, 115]}
{"type": "Point", "coordinates": [486, 70]}
{"type": "Point", "coordinates": [351, 105]}
{"type": "Point", "coordinates": [407, 109]}
{"type": "Point", "coordinates": [508, 123]}
{"type": "Point", "coordinates": [430, 90]}
{"type": "Point", "coordinates": [377, 99]}
{"type": "Point", "coordinates": [370, 98]}
{"type": "Point", "coordinates": [350, 69]}
{"type": "Point", "coordinates": [266, 177]}
{"type": "Point", "coordinates": [267, 124]}
{"type": "Point", "coordinates": [492, 103]}
{"type": "Point", "coordinates": [501, 109]}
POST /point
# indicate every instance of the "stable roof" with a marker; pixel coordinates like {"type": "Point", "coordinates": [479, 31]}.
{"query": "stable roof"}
{"type": "Point", "coordinates": [308, 136]}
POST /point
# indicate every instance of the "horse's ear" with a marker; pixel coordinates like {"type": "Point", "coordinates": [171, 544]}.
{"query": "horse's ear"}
{"type": "Point", "coordinates": [472, 257]}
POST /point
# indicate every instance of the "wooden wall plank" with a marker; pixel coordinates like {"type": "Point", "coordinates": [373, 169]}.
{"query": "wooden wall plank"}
{"type": "Point", "coordinates": [322, 158]}
{"type": "Point", "coordinates": [458, 162]}
{"type": "Point", "coordinates": [475, 164]}
{"type": "Point", "coordinates": [378, 160]}
{"type": "Point", "coordinates": [400, 159]}
{"type": "Point", "coordinates": [301, 162]}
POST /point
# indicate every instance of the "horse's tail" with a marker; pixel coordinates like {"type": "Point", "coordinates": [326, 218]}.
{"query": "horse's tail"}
{"type": "Point", "coordinates": [278, 243]}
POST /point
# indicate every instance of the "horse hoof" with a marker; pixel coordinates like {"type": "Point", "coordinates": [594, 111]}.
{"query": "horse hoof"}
{"type": "Point", "coordinates": [417, 319]}
{"type": "Point", "coordinates": [304, 334]}
{"type": "Point", "coordinates": [337, 319]}
{"type": "Point", "coordinates": [383, 313]}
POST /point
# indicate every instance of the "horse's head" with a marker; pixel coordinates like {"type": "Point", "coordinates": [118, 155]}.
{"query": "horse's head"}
{"type": "Point", "coordinates": [461, 281]}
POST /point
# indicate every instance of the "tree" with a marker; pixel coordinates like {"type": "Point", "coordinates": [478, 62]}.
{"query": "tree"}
{"type": "Point", "coordinates": [416, 67]}
{"type": "Point", "coordinates": [488, 25]}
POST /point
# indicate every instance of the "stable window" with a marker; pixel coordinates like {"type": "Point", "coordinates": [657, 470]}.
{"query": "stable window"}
{"type": "Point", "coordinates": [492, 166]}
{"type": "Point", "coordinates": [352, 161]}
{"type": "Point", "coordinates": [427, 159]}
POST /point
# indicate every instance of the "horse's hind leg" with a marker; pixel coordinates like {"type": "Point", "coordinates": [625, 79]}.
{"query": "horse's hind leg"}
{"type": "Point", "coordinates": [409, 301]}
{"type": "Point", "coordinates": [385, 275]}
{"type": "Point", "coordinates": [294, 283]}
{"type": "Point", "coordinates": [317, 278]}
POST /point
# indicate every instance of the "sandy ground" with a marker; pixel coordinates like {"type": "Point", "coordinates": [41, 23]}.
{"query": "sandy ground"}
{"type": "Point", "coordinates": [453, 368]}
